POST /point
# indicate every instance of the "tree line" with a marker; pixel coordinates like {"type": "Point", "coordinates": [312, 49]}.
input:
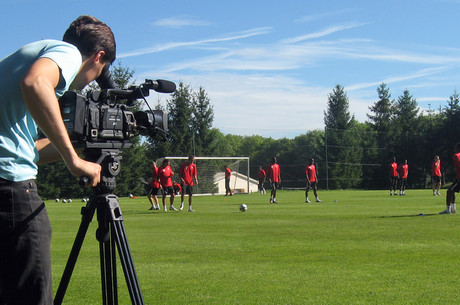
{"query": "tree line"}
{"type": "Point", "coordinates": [348, 153]}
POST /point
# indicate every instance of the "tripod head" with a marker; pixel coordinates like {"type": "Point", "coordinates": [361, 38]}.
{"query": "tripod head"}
{"type": "Point", "coordinates": [109, 159]}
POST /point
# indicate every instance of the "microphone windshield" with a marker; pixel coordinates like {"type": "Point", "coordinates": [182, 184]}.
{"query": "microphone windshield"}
{"type": "Point", "coordinates": [165, 86]}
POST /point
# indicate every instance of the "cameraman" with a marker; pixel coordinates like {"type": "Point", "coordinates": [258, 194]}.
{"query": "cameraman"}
{"type": "Point", "coordinates": [31, 81]}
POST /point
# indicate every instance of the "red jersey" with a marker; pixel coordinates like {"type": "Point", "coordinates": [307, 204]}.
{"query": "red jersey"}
{"type": "Point", "coordinates": [436, 168]}
{"type": "Point", "coordinates": [155, 174]}
{"type": "Point", "coordinates": [165, 176]}
{"type": "Point", "coordinates": [456, 159]}
{"type": "Point", "coordinates": [188, 172]}
{"type": "Point", "coordinates": [261, 174]}
{"type": "Point", "coordinates": [310, 172]}
{"type": "Point", "coordinates": [394, 169]}
{"type": "Point", "coordinates": [403, 171]}
{"type": "Point", "coordinates": [228, 173]}
{"type": "Point", "coordinates": [274, 172]}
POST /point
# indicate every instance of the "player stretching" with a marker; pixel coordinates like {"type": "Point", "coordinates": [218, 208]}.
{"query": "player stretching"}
{"type": "Point", "coordinates": [274, 177]}
{"type": "Point", "coordinates": [312, 180]}
{"type": "Point", "coordinates": [261, 175]}
{"type": "Point", "coordinates": [455, 187]}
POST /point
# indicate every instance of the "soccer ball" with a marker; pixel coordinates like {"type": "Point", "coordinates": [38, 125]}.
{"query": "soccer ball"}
{"type": "Point", "coordinates": [243, 207]}
{"type": "Point", "coordinates": [69, 200]}
{"type": "Point", "coordinates": [64, 201]}
{"type": "Point", "coordinates": [57, 199]}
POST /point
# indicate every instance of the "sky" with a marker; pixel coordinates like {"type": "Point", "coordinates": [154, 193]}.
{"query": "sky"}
{"type": "Point", "coordinates": [268, 67]}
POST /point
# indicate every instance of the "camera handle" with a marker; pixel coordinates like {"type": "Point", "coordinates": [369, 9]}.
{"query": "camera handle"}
{"type": "Point", "coordinates": [110, 233]}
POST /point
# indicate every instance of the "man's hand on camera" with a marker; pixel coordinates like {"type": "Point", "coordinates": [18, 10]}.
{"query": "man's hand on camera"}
{"type": "Point", "coordinates": [82, 168]}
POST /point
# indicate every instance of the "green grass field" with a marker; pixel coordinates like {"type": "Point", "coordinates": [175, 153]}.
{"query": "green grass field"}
{"type": "Point", "coordinates": [366, 248]}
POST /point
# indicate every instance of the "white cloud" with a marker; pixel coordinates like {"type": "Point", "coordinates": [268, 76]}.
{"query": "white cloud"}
{"type": "Point", "coordinates": [322, 33]}
{"type": "Point", "coordinates": [320, 16]}
{"type": "Point", "coordinates": [179, 22]}
{"type": "Point", "coordinates": [175, 45]}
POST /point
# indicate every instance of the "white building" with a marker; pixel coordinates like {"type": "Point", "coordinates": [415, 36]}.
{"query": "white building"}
{"type": "Point", "coordinates": [238, 183]}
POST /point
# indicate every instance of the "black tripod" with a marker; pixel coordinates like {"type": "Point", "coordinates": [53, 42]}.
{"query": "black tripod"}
{"type": "Point", "coordinates": [110, 234]}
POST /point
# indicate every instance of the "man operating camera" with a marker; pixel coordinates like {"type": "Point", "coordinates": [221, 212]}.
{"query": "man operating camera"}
{"type": "Point", "coordinates": [31, 81]}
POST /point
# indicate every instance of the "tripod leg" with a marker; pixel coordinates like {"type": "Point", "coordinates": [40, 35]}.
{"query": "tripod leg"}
{"type": "Point", "coordinates": [128, 264]}
{"type": "Point", "coordinates": [108, 270]}
{"type": "Point", "coordinates": [118, 231]}
{"type": "Point", "coordinates": [87, 216]}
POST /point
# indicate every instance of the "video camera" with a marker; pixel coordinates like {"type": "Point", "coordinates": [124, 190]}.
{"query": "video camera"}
{"type": "Point", "coordinates": [103, 119]}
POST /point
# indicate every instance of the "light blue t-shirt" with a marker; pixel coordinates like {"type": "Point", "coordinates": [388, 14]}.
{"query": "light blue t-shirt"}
{"type": "Point", "coordinates": [18, 130]}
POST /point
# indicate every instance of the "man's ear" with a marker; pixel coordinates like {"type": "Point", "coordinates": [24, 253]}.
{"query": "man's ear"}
{"type": "Point", "coordinates": [99, 56]}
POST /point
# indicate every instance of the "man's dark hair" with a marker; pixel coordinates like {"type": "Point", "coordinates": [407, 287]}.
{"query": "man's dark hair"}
{"type": "Point", "coordinates": [90, 36]}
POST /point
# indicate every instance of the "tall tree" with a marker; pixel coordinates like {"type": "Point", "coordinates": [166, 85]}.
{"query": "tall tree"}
{"type": "Point", "coordinates": [337, 115]}
{"type": "Point", "coordinates": [381, 116]}
{"type": "Point", "coordinates": [179, 108]}
{"type": "Point", "coordinates": [203, 116]}
{"type": "Point", "coordinates": [342, 161]}
{"type": "Point", "coordinates": [407, 134]}
{"type": "Point", "coordinates": [382, 111]}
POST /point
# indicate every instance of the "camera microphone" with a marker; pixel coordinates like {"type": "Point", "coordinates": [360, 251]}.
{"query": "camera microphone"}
{"type": "Point", "coordinates": [162, 86]}
{"type": "Point", "coordinates": [105, 80]}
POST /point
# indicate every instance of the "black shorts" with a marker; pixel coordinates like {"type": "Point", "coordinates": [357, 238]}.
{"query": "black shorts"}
{"type": "Point", "coordinates": [168, 191]}
{"type": "Point", "coordinates": [187, 189]}
{"type": "Point", "coordinates": [435, 179]}
{"type": "Point", "coordinates": [455, 187]}
{"type": "Point", "coordinates": [275, 185]}
{"type": "Point", "coordinates": [153, 191]}
{"type": "Point", "coordinates": [25, 252]}
{"type": "Point", "coordinates": [311, 185]}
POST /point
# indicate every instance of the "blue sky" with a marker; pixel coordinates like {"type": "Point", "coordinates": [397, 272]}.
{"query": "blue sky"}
{"type": "Point", "coordinates": [268, 66]}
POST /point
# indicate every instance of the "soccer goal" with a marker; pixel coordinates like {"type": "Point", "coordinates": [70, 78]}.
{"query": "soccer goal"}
{"type": "Point", "coordinates": [211, 174]}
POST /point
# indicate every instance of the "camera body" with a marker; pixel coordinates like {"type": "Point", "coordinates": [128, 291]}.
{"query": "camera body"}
{"type": "Point", "coordinates": [101, 120]}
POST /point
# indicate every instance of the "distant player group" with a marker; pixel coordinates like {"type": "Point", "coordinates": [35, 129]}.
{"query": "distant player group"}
{"type": "Point", "coordinates": [273, 174]}
{"type": "Point", "coordinates": [162, 180]}
{"type": "Point", "coordinates": [399, 174]}
{"type": "Point", "coordinates": [398, 177]}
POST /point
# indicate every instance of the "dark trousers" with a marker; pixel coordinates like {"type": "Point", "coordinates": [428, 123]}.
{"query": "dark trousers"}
{"type": "Point", "coordinates": [25, 237]}
{"type": "Point", "coordinates": [227, 186]}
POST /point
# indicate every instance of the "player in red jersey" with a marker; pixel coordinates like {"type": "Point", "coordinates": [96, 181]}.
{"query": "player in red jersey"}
{"type": "Point", "coordinates": [403, 174]}
{"type": "Point", "coordinates": [166, 174]}
{"type": "Point", "coordinates": [154, 183]}
{"type": "Point", "coordinates": [312, 180]}
{"type": "Point", "coordinates": [228, 174]}
{"type": "Point", "coordinates": [436, 176]}
{"type": "Point", "coordinates": [188, 173]}
{"type": "Point", "coordinates": [394, 176]}
{"type": "Point", "coordinates": [274, 177]}
{"type": "Point", "coordinates": [261, 175]}
{"type": "Point", "coordinates": [455, 187]}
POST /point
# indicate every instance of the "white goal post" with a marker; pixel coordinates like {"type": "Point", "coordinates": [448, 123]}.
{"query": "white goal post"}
{"type": "Point", "coordinates": [211, 173]}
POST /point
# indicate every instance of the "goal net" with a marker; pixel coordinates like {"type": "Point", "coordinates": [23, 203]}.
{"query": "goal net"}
{"type": "Point", "coordinates": [211, 174]}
